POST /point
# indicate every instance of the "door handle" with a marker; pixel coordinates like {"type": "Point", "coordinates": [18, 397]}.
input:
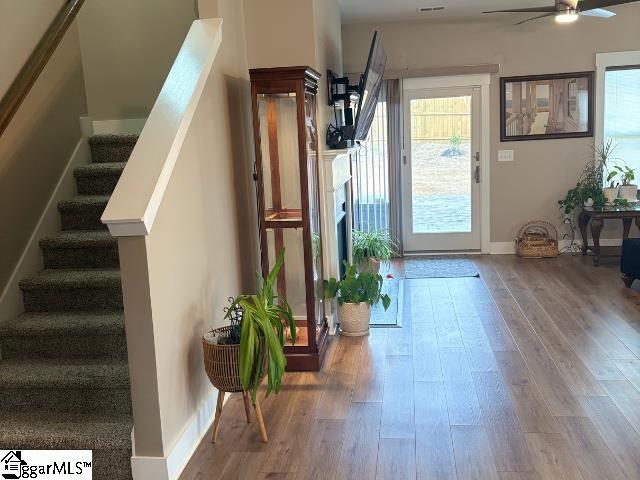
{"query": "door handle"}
{"type": "Point", "coordinates": [477, 174]}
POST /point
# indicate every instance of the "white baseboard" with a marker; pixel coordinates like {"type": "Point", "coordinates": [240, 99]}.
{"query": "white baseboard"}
{"type": "Point", "coordinates": [502, 248]}
{"type": "Point", "coordinates": [31, 261]}
{"type": "Point", "coordinates": [171, 466]}
{"type": "Point", "coordinates": [437, 253]}
{"type": "Point", "coordinates": [89, 126]}
{"type": "Point", "coordinates": [122, 126]}
{"type": "Point", "coordinates": [86, 126]}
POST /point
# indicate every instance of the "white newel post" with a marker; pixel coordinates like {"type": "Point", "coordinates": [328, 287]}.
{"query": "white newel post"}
{"type": "Point", "coordinates": [336, 192]}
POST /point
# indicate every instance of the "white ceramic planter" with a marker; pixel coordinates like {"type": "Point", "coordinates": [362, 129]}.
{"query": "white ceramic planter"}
{"type": "Point", "coordinates": [629, 193]}
{"type": "Point", "coordinates": [354, 319]}
{"type": "Point", "coordinates": [610, 194]}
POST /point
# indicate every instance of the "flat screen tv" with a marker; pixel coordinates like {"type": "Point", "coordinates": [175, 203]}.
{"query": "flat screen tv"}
{"type": "Point", "coordinates": [370, 85]}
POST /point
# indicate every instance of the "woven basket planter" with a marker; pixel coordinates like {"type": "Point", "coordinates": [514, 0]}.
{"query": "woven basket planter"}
{"type": "Point", "coordinates": [222, 364]}
{"type": "Point", "coordinates": [354, 319]}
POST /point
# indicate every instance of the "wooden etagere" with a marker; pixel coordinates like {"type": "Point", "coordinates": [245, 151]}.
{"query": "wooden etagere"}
{"type": "Point", "coordinates": [286, 147]}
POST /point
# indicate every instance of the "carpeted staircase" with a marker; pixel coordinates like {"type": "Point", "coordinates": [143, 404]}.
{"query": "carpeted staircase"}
{"type": "Point", "coordinates": [64, 376]}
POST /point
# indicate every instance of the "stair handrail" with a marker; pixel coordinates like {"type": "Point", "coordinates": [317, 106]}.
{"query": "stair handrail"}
{"type": "Point", "coordinates": [33, 67]}
{"type": "Point", "coordinates": [134, 203]}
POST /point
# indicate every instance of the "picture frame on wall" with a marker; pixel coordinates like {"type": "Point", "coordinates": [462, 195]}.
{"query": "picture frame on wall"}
{"type": "Point", "coordinates": [541, 107]}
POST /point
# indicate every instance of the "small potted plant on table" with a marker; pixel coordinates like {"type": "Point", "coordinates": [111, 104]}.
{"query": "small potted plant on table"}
{"type": "Point", "coordinates": [356, 294]}
{"type": "Point", "coordinates": [628, 191]}
{"type": "Point", "coordinates": [604, 154]}
{"type": "Point", "coordinates": [239, 356]}
{"type": "Point", "coordinates": [372, 248]}
{"type": "Point", "coordinates": [611, 192]}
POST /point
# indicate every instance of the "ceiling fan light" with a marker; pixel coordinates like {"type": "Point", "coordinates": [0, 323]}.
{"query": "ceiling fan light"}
{"type": "Point", "coordinates": [567, 17]}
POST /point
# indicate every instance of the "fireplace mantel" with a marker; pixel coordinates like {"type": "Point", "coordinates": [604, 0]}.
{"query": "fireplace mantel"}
{"type": "Point", "coordinates": [336, 198]}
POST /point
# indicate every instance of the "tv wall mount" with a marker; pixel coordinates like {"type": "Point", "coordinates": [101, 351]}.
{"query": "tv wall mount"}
{"type": "Point", "coordinates": [341, 94]}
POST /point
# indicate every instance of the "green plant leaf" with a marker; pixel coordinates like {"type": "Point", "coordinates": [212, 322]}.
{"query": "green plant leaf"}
{"type": "Point", "coordinates": [374, 244]}
{"type": "Point", "coordinates": [386, 301]}
{"type": "Point", "coordinates": [262, 334]}
{"type": "Point", "coordinates": [356, 287]}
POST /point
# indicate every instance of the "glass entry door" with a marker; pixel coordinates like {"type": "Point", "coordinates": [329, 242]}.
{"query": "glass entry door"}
{"type": "Point", "coordinates": [441, 170]}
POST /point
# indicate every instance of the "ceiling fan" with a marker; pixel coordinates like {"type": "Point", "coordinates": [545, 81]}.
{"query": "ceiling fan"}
{"type": "Point", "coordinates": [567, 11]}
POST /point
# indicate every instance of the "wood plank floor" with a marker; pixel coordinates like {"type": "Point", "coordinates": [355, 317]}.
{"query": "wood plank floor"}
{"type": "Point", "coordinates": [530, 372]}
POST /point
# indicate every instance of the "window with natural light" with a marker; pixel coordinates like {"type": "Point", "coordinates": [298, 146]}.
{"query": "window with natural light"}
{"type": "Point", "coordinates": [622, 114]}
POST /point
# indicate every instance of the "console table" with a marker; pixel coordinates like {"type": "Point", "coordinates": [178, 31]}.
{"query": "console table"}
{"type": "Point", "coordinates": [597, 216]}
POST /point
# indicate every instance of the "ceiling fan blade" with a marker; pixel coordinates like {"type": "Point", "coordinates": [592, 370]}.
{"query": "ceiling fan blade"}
{"type": "Point", "coordinates": [598, 12]}
{"type": "Point", "coordinates": [521, 10]}
{"type": "Point", "coordinates": [535, 18]}
{"type": "Point", "coordinates": [591, 4]}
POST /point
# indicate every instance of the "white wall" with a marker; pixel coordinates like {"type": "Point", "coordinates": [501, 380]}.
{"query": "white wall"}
{"type": "Point", "coordinates": [200, 251]}
{"type": "Point", "coordinates": [39, 141]}
{"type": "Point", "coordinates": [529, 188]}
{"type": "Point", "coordinates": [128, 48]}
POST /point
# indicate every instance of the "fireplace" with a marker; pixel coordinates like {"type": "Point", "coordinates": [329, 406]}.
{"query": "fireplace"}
{"type": "Point", "coordinates": [343, 236]}
{"type": "Point", "coordinates": [337, 220]}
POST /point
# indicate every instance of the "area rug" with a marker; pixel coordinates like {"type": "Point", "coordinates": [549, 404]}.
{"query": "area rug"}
{"type": "Point", "coordinates": [439, 267]}
{"type": "Point", "coordinates": [392, 317]}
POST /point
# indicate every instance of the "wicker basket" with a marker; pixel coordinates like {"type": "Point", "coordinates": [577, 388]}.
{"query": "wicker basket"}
{"type": "Point", "coordinates": [222, 363]}
{"type": "Point", "coordinates": [537, 239]}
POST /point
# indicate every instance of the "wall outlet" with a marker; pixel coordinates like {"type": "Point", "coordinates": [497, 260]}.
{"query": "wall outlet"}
{"type": "Point", "coordinates": [505, 155]}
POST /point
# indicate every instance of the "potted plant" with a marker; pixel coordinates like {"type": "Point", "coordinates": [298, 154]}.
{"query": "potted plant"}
{"type": "Point", "coordinates": [628, 190]}
{"type": "Point", "coordinates": [238, 357]}
{"type": "Point", "coordinates": [588, 190]}
{"type": "Point", "coordinates": [611, 192]}
{"type": "Point", "coordinates": [356, 293]}
{"type": "Point", "coordinates": [604, 153]}
{"type": "Point", "coordinates": [372, 248]}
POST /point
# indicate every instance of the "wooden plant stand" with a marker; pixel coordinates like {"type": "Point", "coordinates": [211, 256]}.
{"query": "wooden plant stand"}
{"type": "Point", "coordinates": [221, 363]}
{"type": "Point", "coordinates": [247, 411]}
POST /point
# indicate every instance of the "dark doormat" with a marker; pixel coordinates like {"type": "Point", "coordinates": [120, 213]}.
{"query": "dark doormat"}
{"type": "Point", "coordinates": [439, 267]}
{"type": "Point", "coordinates": [392, 317]}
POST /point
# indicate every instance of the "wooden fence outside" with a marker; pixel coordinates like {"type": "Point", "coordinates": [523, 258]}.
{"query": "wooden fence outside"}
{"type": "Point", "coordinates": [440, 119]}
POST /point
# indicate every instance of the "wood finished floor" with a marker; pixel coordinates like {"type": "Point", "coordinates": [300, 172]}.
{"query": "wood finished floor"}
{"type": "Point", "coordinates": [530, 373]}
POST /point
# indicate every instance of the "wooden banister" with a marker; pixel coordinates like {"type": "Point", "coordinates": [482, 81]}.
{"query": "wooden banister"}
{"type": "Point", "coordinates": [29, 73]}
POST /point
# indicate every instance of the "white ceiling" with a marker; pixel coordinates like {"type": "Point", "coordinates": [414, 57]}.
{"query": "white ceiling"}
{"type": "Point", "coordinates": [387, 10]}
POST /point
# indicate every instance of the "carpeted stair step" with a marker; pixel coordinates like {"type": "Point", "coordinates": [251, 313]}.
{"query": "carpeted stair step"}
{"type": "Point", "coordinates": [65, 386]}
{"type": "Point", "coordinates": [112, 148]}
{"type": "Point", "coordinates": [64, 335]}
{"type": "Point", "coordinates": [98, 178]}
{"type": "Point", "coordinates": [73, 290]}
{"type": "Point", "coordinates": [80, 249]}
{"type": "Point", "coordinates": [83, 212]}
{"type": "Point", "coordinates": [109, 436]}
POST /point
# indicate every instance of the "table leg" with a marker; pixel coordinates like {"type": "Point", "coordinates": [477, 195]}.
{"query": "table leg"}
{"type": "Point", "coordinates": [596, 229]}
{"type": "Point", "coordinates": [638, 222]}
{"type": "Point", "coordinates": [626, 227]}
{"type": "Point", "coordinates": [583, 220]}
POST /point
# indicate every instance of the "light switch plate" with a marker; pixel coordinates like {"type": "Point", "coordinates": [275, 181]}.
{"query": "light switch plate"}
{"type": "Point", "coordinates": [505, 155]}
